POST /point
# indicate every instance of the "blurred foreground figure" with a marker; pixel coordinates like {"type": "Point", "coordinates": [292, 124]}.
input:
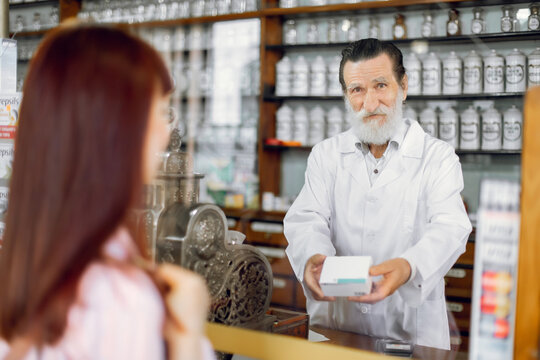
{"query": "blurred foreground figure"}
{"type": "Point", "coordinates": [93, 118]}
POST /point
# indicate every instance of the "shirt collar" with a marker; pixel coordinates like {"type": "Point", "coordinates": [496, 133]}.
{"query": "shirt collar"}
{"type": "Point", "coordinates": [395, 141]}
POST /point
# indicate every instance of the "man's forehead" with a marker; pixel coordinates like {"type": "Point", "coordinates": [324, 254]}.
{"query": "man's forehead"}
{"type": "Point", "coordinates": [369, 70]}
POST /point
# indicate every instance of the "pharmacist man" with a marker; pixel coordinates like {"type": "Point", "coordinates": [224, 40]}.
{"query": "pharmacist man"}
{"type": "Point", "coordinates": [386, 189]}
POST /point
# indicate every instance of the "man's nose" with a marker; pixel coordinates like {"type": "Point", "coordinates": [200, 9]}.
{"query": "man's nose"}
{"type": "Point", "coordinates": [371, 101]}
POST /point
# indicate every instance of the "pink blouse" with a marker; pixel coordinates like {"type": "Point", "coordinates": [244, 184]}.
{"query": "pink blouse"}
{"type": "Point", "coordinates": [118, 314]}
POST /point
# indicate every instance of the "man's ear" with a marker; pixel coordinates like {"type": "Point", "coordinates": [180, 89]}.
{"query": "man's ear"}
{"type": "Point", "coordinates": [405, 86]}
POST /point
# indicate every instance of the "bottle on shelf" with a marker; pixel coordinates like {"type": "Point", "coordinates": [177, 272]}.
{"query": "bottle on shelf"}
{"type": "Point", "coordinates": [288, 3]}
{"type": "Point", "coordinates": [533, 23]}
{"type": "Point", "coordinates": [333, 33]}
{"type": "Point", "coordinates": [448, 126]}
{"type": "Point", "coordinates": [428, 26]}
{"type": "Point", "coordinates": [515, 71]}
{"type": "Point", "coordinates": [508, 20]}
{"type": "Point", "coordinates": [431, 75]}
{"type": "Point", "coordinates": [374, 28]}
{"type": "Point", "coordinates": [533, 69]}
{"type": "Point", "coordinates": [334, 86]}
{"type": "Point", "coordinates": [452, 71]}
{"type": "Point", "coordinates": [469, 129]}
{"type": "Point", "coordinates": [453, 25]}
{"type": "Point", "coordinates": [316, 125]}
{"type": "Point", "coordinates": [413, 68]}
{"type": "Point", "coordinates": [335, 121]}
{"type": "Point", "coordinates": [512, 129]}
{"type": "Point", "coordinates": [290, 35]}
{"type": "Point", "coordinates": [300, 126]}
{"type": "Point", "coordinates": [493, 73]}
{"type": "Point", "coordinates": [352, 33]}
{"type": "Point", "coordinates": [283, 77]}
{"type": "Point", "coordinates": [472, 73]}
{"type": "Point", "coordinates": [318, 77]}
{"type": "Point", "coordinates": [312, 35]}
{"type": "Point", "coordinates": [399, 30]}
{"type": "Point", "coordinates": [491, 129]}
{"type": "Point", "coordinates": [300, 80]}
{"type": "Point", "coordinates": [284, 126]}
{"type": "Point", "coordinates": [478, 24]}
{"type": "Point", "coordinates": [318, 2]}
{"type": "Point", "coordinates": [428, 121]}
{"type": "Point", "coordinates": [409, 113]}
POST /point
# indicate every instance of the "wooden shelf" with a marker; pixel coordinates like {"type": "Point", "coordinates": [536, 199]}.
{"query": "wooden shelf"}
{"type": "Point", "coordinates": [29, 33]}
{"type": "Point", "coordinates": [381, 6]}
{"type": "Point", "coordinates": [462, 39]}
{"type": "Point", "coordinates": [254, 214]}
{"type": "Point", "coordinates": [494, 96]}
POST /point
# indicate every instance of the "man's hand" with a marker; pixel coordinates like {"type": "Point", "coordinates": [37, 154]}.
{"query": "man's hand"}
{"type": "Point", "coordinates": [395, 273]}
{"type": "Point", "coordinates": [312, 275]}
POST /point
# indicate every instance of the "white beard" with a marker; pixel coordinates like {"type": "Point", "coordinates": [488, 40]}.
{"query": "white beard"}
{"type": "Point", "coordinates": [372, 132]}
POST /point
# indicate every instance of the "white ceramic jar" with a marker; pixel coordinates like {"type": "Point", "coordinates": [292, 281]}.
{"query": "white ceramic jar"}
{"type": "Point", "coordinates": [452, 71]}
{"type": "Point", "coordinates": [300, 126]}
{"type": "Point", "coordinates": [512, 129]}
{"type": "Point", "coordinates": [316, 125]}
{"type": "Point", "coordinates": [283, 77]}
{"type": "Point", "coordinates": [335, 121]}
{"type": "Point", "coordinates": [284, 118]}
{"type": "Point", "coordinates": [515, 71]}
{"type": "Point", "coordinates": [472, 73]}
{"type": "Point", "coordinates": [413, 68]}
{"type": "Point", "coordinates": [431, 75]}
{"type": "Point", "coordinates": [334, 86]}
{"type": "Point", "coordinates": [533, 68]}
{"type": "Point", "coordinates": [491, 129]}
{"type": "Point", "coordinates": [318, 77]}
{"type": "Point", "coordinates": [300, 80]}
{"type": "Point", "coordinates": [493, 73]}
{"type": "Point", "coordinates": [448, 126]}
{"type": "Point", "coordinates": [409, 113]}
{"type": "Point", "coordinates": [469, 129]}
{"type": "Point", "coordinates": [428, 121]}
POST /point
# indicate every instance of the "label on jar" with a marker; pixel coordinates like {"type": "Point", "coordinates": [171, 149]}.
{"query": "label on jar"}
{"type": "Point", "coordinates": [426, 30]}
{"type": "Point", "coordinates": [469, 130]}
{"type": "Point", "coordinates": [534, 73]}
{"type": "Point", "coordinates": [318, 82]}
{"type": "Point", "coordinates": [472, 74]}
{"type": "Point", "coordinates": [414, 78]}
{"type": "Point", "coordinates": [506, 25]}
{"type": "Point", "coordinates": [452, 76]}
{"type": "Point", "coordinates": [514, 73]}
{"type": "Point", "coordinates": [512, 130]}
{"type": "Point", "coordinates": [452, 28]}
{"type": "Point", "coordinates": [534, 23]}
{"type": "Point", "coordinates": [447, 131]}
{"type": "Point", "coordinates": [476, 27]}
{"type": "Point", "coordinates": [430, 77]}
{"type": "Point", "coordinates": [399, 32]}
{"type": "Point", "coordinates": [491, 131]}
{"type": "Point", "coordinates": [494, 74]}
{"type": "Point", "coordinates": [429, 128]}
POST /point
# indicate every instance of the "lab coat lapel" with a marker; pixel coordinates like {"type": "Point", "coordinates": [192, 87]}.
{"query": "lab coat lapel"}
{"type": "Point", "coordinates": [353, 160]}
{"type": "Point", "coordinates": [393, 170]}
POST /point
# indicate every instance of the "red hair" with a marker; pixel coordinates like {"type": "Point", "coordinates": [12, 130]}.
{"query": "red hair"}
{"type": "Point", "coordinates": [77, 168]}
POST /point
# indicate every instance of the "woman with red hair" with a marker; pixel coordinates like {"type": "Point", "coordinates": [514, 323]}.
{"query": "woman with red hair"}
{"type": "Point", "coordinates": [92, 119]}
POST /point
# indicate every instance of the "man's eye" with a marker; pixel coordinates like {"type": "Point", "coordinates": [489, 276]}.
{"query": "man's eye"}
{"type": "Point", "coordinates": [381, 85]}
{"type": "Point", "coordinates": [355, 90]}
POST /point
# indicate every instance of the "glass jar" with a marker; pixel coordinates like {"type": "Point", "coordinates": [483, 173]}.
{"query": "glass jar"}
{"type": "Point", "coordinates": [318, 77]}
{"type": "Point", "coordinates": [452, 70]}
{"type": "Point", "coordinates": [374, 28]}
{"type": "Point", "coordinates": [508, 21]}
{"type": "Point", "coordinates": [453, 26]}
{"type": "Point", "coordinates": [512, 129]}
{"type": "Point", "coordinates": [399, 30]}
{"type": "Point", "coordinates": [19, 23]}
{"type": "Point", "coordinates": [36, 22]}
{"type": "Point", "coordinates": [333, 36]}
{"type": "Point", "coordinates": [469, 130]}
{"type": "Point", "coordinates": [413, 68]}
{"type": "Point", "coordinates": [515, 71]}
{"type": "Point", "coordinates": [431, 75]}
{"type": "Point", "coordinates": [428, 26]}
{"type": "Point", "coordinates": [428, 121]}
{"type": "Point", "coordinates": [288, 3]}
{"type": "Point", "coordinates": [334, 86]}
{"type": "Point", "coordinates": [312, 36]}
{"type": "Point", "coordinates": [491, 129]}
{"type": "Point", "coordinates": [493, 73]}
{"type": "Point", "coordinates": [289, 33]}
{"type": "Point", "coordinates": [352, 33]}
{"type": "Point", "coordinates": [448, 127]}
{"type": "Point", "coordinates": [472, 73]}
{"type": "Point", "coordinates": [478, 24]}
{"type": "Point", "coordinates": [533, 23]}
{"type": "Point", "coordinates": [533, 69]}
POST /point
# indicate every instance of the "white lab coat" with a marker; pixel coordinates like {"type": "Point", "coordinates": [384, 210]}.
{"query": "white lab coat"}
{"type": "Point", "coordinates": [413, 210]}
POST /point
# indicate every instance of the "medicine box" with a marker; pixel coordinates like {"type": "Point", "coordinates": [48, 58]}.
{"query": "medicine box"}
{"type": "Point", "coordinates": [346, 276]}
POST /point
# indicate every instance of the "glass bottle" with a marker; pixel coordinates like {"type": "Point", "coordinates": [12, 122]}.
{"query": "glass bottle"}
{"type": "Point", "coordinates": [508, 23]}
{"type": "Point", "coordinates": [352, 33]}
{"type": "Point", "coordinates": [289, 32]}
{"type": "Point", "coordinates": [332, 31]}
{"type": "Point", "coordinates": [534, 19]}
{"type": "Point", "coordinates": [453, 26]}
{"type": "Point", "coordinates": [374, 28]}
{"type": "Point", "coordinates": [399, 30]}
{"type": "Point", "coordinates": [19, 23]}
{"type": "Point", "coordinates": [312, 36]}
{"type": "Point", "coordinates": [478, 24]}
{"type": "Point", "coordinates": [428, 26]}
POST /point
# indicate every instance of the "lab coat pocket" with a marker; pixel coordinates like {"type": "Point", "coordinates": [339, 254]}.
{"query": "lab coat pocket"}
{"type": "Point", "coordinates": [432, 324]}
